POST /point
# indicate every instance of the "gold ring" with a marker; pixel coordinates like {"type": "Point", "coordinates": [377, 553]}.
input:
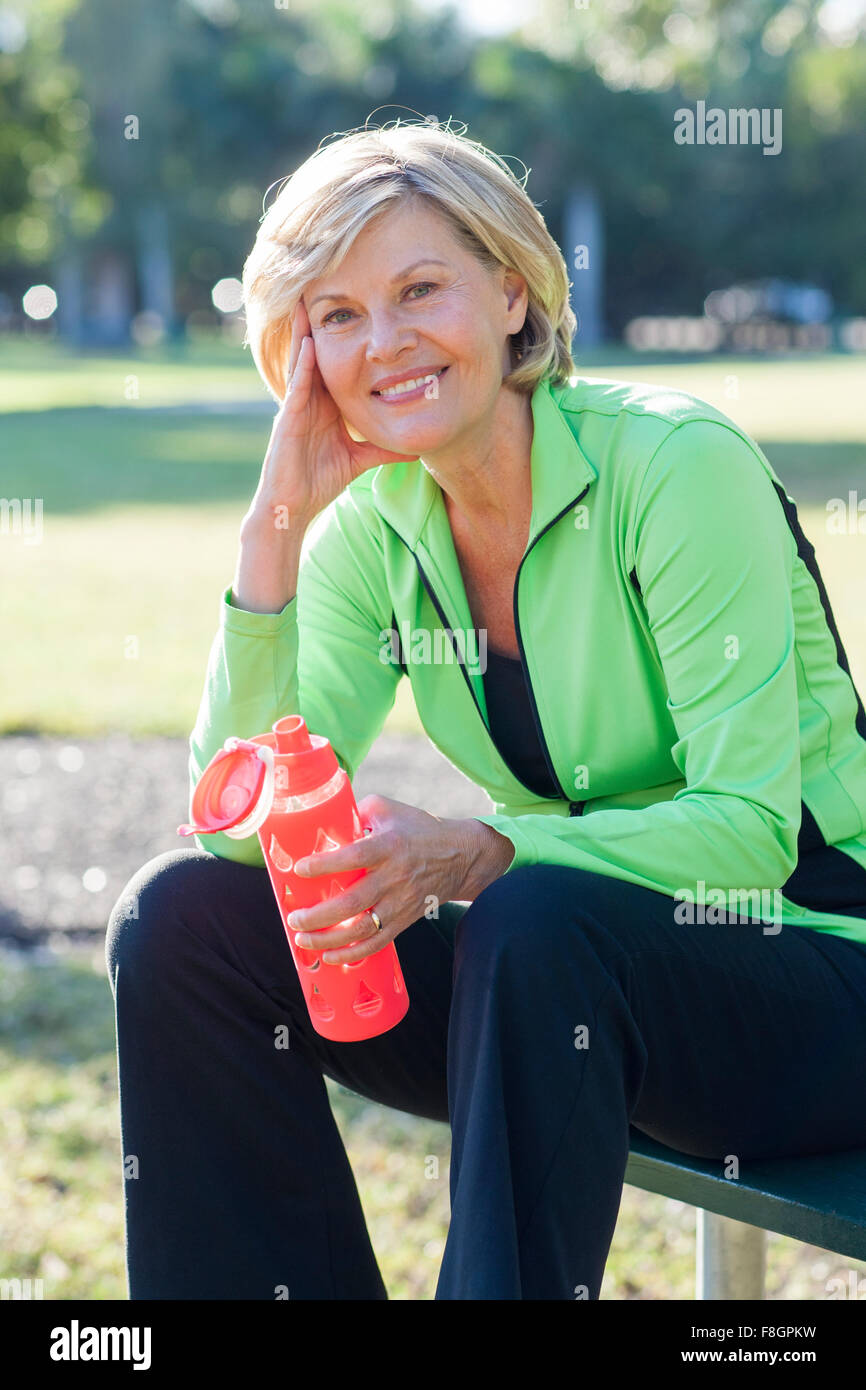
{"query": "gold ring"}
{"type": "Point", "coordinates": [377, 921]}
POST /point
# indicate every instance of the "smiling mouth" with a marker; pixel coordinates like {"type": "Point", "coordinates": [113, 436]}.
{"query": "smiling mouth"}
{"type": "Point", "coordinates": [409, 389]}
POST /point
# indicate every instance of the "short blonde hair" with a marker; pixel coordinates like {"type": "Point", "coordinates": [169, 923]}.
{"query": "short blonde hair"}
{"type": "Point", "coordinates": [319, 211]}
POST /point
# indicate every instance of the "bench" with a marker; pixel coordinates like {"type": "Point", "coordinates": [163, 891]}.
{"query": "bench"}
{"type": "Point", "coordinates": [819, 1200]}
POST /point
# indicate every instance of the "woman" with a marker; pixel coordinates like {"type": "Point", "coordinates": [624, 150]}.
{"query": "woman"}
{"type": "Point", "coordinates": [645, 676]}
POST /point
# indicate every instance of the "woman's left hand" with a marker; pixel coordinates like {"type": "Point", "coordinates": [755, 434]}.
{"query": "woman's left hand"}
{"type": "Point", "coordinates": [414, 861]}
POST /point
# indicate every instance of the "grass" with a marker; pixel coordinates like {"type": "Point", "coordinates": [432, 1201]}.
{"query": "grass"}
{"type": "Point", "coordinates": [61, 1201]}
{"type": "Point", "coordinates": [38, 373]}
{"type": "Point", "coordinates": [113, 613]}
{"type": "Point", "coordinates": [115, 608]}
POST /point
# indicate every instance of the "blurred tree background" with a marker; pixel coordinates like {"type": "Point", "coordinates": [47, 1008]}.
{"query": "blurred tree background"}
{"type": "Point", "coordinates": [151, 133]}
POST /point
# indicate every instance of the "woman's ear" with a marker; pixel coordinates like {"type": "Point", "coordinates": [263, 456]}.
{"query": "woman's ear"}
{"type": "Point", "coordinates": [516, 293]}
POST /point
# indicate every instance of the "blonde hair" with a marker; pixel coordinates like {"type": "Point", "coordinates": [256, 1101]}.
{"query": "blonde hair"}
{"type": "Point", "coordinates": [327, 201]}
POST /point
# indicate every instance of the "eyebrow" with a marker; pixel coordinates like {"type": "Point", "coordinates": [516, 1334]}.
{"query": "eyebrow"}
{"type": "Point", "coordinates": [401, 275]}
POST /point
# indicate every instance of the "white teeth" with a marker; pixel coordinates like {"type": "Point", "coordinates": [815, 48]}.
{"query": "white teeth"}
{"type": "Point", "coordinates": [403, 386]}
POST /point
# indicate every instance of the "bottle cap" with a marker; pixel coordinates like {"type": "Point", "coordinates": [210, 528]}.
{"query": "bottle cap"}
{"type": "Point", "coordinates": [235, 792]}
{"type": "Point", "coordinates": [307, 761]}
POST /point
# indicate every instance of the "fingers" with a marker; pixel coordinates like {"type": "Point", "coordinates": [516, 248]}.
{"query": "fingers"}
{"type": "Point", "coordinates": [338, 915]}
{"type": "Point", "coordinates": [357, 854]}
{"type": "Point", "coordinates": [345, 944]}
{"type": "Point", "coordinates": [300, 349]}
{"type": "Point", "coordinates": [351, 955]}
{"type": "Point", "coordinates": [299, 384]}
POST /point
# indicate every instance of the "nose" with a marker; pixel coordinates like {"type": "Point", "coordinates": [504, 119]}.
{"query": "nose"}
{"type": "Point", "coordinates": [387, 336]}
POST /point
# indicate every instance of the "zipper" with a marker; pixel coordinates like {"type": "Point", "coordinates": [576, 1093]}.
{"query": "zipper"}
{"type": "Point", "coordinates": [446, 625]}
{"type": "Point", "coordinates": [575, 808]}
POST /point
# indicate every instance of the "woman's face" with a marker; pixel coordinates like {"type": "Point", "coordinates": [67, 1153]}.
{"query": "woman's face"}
{"type": "Point", "coordinates": [409, 303]}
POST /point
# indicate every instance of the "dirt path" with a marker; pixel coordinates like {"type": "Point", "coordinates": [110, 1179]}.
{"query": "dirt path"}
{"type": "Point", "coordinates": [80, 816]}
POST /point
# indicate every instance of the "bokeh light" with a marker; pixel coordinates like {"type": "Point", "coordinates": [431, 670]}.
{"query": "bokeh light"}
{"type": "Point", "coordinates": [39, 302]}
{"type": "Point", "coordinates": [227, 295]}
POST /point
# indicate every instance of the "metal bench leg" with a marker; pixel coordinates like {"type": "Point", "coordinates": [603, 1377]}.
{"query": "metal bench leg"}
{"type": "Point", "coordinates": [731, 1258]}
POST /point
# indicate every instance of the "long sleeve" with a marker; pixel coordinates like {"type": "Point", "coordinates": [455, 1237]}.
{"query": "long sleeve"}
{"type": "Point", "coordinates": [714, 560]}
{"type": "Point", "coordinates": [319, 657]}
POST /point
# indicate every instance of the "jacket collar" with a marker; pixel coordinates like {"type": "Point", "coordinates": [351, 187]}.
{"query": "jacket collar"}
{"type": "Point", "coordinates": [410, 500]}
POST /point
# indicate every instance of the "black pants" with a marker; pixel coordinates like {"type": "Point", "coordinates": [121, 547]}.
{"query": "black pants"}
{"type": "Point", "coordinates": [548, 1016]}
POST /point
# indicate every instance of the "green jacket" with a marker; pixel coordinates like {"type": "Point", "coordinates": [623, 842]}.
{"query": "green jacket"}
{"type": "Point", "coordinates": [687, 679]}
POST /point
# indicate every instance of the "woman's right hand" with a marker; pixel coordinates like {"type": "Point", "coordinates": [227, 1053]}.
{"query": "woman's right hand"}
{"type": "Point", "coordinates": [311, 456]}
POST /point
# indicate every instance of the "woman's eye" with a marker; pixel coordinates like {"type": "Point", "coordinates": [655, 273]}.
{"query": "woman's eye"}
{"type": "Point", "coordinates": [426, 285]}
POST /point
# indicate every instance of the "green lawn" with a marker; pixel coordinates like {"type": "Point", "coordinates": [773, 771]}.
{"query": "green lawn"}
{"type": "Point", "coordinates": [39, 374]}
{"type": "Point", "coordinates": [141, 507]}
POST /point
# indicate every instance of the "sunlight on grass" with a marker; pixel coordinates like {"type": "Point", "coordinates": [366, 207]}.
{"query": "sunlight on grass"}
{"type": "Point", "coordinates": [114, 611]}
{"type": "Point", "coordinates": [808, 399]}
{"type": "Point", "coordinates": [41, 374]}
{"type": "Point", "coordinates": [115, 614]}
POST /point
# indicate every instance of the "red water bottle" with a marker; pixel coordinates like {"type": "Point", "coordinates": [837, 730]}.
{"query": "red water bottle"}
{"type": "Point", "coordinates": [288, 786]}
